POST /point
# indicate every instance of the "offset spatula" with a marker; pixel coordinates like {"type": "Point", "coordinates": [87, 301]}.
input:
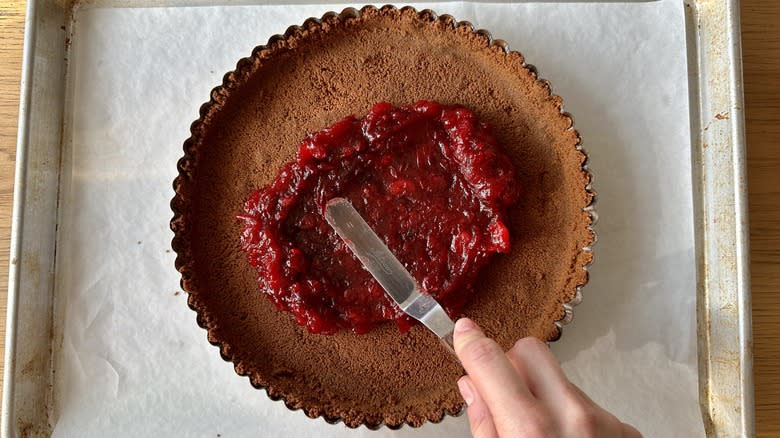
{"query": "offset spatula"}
{"type": "Point", "coordinates": [387, 270]}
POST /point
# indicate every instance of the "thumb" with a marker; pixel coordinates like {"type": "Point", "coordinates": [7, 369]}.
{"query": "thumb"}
{"type": "Point", "coordinates": [482, 357]}
{"type": "Point", "coordinates": [505, 394]}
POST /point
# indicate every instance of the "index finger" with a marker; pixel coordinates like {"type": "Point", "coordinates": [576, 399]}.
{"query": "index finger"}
{"type": "Point", "coordinates": [508, 398]}
{"type": "Point", "coordinates": [533, 360]}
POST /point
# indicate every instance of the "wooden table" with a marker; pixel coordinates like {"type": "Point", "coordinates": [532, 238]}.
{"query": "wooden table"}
{"type": "Point", "coordinates": [761, 50]}
{"type": "Point", "coordinates": [761, 64]}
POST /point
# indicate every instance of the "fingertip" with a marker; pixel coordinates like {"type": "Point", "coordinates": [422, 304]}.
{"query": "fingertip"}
{"type": "Point", "coordinates": [630, 431]}
{"type": "Point", "coordinates": [465, 332]}
{"type": "Point", "coordinates": [465, 325]}
{"type": "Point", "coordinates": [542, 372]}
{"type": "Point", "coordinates": [532, 349]}
{"type": "Point", "coordinates": [466, 390]}
{"type": "Point", "coordinates": [533, 343]}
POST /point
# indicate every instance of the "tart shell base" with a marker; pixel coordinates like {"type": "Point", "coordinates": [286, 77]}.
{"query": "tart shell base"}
{"type": "Point", "coordinates": [311, 77]}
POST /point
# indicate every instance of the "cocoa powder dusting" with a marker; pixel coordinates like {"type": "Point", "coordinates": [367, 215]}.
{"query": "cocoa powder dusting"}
{"type": "Point", "coordinates": [307, 81]}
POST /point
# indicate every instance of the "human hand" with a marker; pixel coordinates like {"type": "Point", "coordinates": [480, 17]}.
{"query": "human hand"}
{"type": "Point", "coordinates": [524, 393]}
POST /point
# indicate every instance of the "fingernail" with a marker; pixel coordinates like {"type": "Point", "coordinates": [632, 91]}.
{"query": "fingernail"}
{"type": "Point", "coordinates": [464, 325]}
{"type": "Point", "coordinates": [465, 391]}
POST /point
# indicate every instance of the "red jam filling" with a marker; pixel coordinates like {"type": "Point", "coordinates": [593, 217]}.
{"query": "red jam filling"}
{"type": "Point", "coordinates": [429, 179]}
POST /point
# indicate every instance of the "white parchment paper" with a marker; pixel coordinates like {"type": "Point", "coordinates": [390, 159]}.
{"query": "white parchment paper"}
{"type": "Point", "coordinates": [132, 361]}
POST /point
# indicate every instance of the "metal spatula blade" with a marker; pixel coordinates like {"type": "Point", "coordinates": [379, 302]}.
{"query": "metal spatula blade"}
{"type": "Point", "coordinates": [397, 282]}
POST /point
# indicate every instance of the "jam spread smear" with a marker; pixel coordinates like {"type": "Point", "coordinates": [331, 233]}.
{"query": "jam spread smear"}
{"type": "Point", "coordinates": [429, 179]}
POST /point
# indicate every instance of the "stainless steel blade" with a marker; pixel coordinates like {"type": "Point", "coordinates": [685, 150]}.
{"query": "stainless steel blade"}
{"type": "Point", "coordinates": [397, 282]}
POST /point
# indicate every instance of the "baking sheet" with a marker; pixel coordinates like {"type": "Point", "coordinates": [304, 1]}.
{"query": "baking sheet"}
{"type": "Point", "coordinates": [133, 362]}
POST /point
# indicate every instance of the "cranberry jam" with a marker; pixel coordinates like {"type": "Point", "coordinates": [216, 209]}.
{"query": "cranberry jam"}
{"type": "Point", "coordinates": [429, 179]}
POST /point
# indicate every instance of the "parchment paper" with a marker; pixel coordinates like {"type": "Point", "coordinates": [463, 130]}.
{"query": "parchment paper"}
{"type": "Point", "coordinates": [132, 361]}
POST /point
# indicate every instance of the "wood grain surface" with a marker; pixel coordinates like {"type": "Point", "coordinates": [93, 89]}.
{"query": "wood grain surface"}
{"type": "Point", "coordinates": [11, 42]}
{"type": "Point", "coordinates": [761, 66]}
{"type": "Point", "coordinates": [761, 52]}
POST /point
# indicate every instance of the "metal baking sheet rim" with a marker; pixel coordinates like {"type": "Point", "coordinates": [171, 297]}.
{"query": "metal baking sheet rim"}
{"type": "Point", "coordinates": [720, 197]}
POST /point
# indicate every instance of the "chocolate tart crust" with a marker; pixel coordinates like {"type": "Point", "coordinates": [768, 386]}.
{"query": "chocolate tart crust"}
{"type": "Point", "coordinates": [310, 77]}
